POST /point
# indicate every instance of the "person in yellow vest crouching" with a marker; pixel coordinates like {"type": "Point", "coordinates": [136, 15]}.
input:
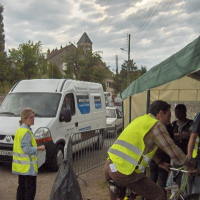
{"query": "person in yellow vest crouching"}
{"type": "Point", "coordinates": [25, 156]}
{"type": "Point", "coordinates": [133, 150]}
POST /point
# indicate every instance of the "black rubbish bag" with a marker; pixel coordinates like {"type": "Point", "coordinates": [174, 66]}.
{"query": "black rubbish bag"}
{"type": "Point", "coordinates": [66, 186]}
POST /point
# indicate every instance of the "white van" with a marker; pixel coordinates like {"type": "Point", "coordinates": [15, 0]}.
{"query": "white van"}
{"type": "Point", "coordinates": [46, 96]}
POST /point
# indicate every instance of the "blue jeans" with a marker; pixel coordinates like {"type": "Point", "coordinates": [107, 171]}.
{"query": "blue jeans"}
{"type": "Point", "coordinates": [194, 181]}
{"type": "Point", "coordinates": [158, 174]}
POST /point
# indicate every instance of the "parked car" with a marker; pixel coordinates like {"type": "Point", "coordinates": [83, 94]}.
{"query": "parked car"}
{"type": "Point", "coordinates": [113, 120]}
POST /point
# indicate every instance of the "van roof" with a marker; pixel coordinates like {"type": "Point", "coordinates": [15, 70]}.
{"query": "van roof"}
{"type": "Point", "coordinates": [52, 85]}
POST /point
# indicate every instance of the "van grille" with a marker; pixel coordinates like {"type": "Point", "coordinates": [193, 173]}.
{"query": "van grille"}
{"type": "Point", "coordinates": [8, 147]}
{"type": "Point", "coordinates": [3, 136]}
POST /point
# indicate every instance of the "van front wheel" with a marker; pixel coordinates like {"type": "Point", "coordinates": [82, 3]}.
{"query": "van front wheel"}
{"type": "Point", "coordinates": [58, 157]}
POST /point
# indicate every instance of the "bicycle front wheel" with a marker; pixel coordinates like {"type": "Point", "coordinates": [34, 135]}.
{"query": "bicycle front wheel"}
{"type": "Point", "coordinates": [195, 196]}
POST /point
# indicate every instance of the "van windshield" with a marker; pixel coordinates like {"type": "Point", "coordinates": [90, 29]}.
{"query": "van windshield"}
{"type": "Point", "coordinates": [43, 104]}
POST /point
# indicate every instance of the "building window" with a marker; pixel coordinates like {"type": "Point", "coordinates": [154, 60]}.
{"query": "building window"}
{"type": "Point", "coordinates": [109, 84]}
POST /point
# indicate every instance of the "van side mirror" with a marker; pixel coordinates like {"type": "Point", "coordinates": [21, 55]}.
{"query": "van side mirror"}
{"type": "Point", "coordinates": [65, 116]}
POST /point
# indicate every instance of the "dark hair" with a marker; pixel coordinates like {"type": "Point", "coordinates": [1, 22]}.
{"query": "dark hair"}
{"type": "Point", "coordinates": [181, 107]}
{"type": "Point", "coordinates": [158, 105]}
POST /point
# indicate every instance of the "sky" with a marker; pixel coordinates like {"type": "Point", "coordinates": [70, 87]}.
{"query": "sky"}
{"type": "Point", "coordinates": [157, 28]}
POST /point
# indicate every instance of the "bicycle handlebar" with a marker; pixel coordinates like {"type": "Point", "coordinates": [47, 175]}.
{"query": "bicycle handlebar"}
{"type": "Point", "coordinates": [178, 170]}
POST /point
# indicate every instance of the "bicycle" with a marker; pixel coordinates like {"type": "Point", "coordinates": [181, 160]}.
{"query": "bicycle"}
{"type": "Point", "coordinates": [176, 192]}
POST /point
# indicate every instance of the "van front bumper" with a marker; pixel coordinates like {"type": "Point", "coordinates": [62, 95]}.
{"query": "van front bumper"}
{"type": "Point", "coordinates": [6, 153]}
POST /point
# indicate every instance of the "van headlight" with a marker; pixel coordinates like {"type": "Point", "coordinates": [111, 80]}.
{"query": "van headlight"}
{"type": "Point", "coordinates": [42, 135]}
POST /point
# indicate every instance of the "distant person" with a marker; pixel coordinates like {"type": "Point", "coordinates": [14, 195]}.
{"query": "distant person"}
{"type": "Point", "coordinates": [194, 153]}
{"type": "Point", "coordinates": [65, 106]}
{"type": "Point", "coordinates": [182, 127]}
{"type": "Point", "coordinates": [25, 156]}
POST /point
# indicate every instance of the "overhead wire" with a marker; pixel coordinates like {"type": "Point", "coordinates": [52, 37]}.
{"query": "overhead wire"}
{"type": "Point", "coordinates": [166, 7]}
{"type": "Point", "coordinates": [164, 28]}
{"type": "Point", "coordinates": [149, 19]}
{"type": "Point", "coordinates": [150, 10]}
{"type": "Point", "coordinates": [145, 18]}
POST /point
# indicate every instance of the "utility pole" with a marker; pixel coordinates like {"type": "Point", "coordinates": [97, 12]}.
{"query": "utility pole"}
{"type": "Point", "coordinates": [116, 64]}
{"type": "Point", "coordinates": [128, 64]}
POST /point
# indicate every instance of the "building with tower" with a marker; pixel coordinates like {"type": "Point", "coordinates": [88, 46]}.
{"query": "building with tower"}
{"type": "Point", "coordinates": [85, 43]}
{"type": "Point", "coordinates": [57, 56]}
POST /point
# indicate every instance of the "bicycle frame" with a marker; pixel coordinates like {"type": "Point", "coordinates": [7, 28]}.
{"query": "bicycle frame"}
{"type": "Point", "coordinates": [176, 191]}
{"type": "Point", "coordinates": [175, 188]}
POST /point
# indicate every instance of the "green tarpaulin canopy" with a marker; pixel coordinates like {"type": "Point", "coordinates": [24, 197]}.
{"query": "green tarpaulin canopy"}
{"type": "Point", "coordinates": [185, 62]}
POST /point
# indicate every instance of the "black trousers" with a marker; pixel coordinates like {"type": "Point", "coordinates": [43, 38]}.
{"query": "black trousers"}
{"type": "Point", "coordinates": [27, 187]}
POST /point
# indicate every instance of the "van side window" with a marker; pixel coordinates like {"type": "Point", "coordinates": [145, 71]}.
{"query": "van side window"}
{"type": "Point", "coordinates": [83, 103]}
{"type": "Point", "coordinates": [97, 102]}
{"type": "Point", "coordinates": [69, 102]}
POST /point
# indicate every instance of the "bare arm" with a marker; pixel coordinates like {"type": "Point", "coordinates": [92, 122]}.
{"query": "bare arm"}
{"type": "Point", "coordinates": [191, 144]}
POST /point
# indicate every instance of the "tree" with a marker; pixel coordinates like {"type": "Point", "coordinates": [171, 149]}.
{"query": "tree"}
{"type": "Point", "coordinates": [123, 73]}
{"type": "Point", "coordinates": [85, 66]}
{"type": "Point", "coordinates": [117, 83]}
{"type": "Point", "coordinates": [4, 64]}
{"type": "Point", "coordinates": [5, 73]}
{"type": "Point", "coordinates": [53, 71]}
{"type": "Point", "coordinates": [2, 36]}
{"type": "Point", "coordinates": [73, 60]}
{"type": "Point", "coordinates": [89, 67]}
{"type": "Point", "coordinates": [29, 59]}
{"type": "Point", "coordinates": [143, 69]}
{"type": "Point", "coordinates": [120, 80]}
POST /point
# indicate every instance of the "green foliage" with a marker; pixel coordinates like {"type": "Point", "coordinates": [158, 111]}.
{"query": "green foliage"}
{"type": "Point", "coordinates": [85, 66]}
{"type": "Point", "coordinates": [53, 72]}
{"type": "Point", "coordinates": [73, 60]}
{"type": "Point", "coordinates": [143, 69]}
{"type": "Point", "coordinates": [4, 71]}
{"type": "Point", "coordinates": [2, 36]}
{"type": "Point", "coordinates": [120, 80]}
{"type": "Point", "coordinates": [5, 74]}
{"type": "Point", "coordinates": [117, 83]}
{"type": "Point", "coordinates": [28, 61]}
{"type": "Point", "coordinates": [99, 77]}
{"type": "Point", "coordinates": [5, 87]}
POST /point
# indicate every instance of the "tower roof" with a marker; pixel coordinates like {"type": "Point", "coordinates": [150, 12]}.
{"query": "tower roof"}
{"type": "Point", "coordinates": [85, 39]}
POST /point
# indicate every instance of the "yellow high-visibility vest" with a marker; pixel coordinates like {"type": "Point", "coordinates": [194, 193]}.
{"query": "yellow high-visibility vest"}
{"type": "Point", "coordinates": [127, 151]}
{"type": "Point", "coordinates": [21, 161]}
{"type": "Point", "coordinates": [196, 147]}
